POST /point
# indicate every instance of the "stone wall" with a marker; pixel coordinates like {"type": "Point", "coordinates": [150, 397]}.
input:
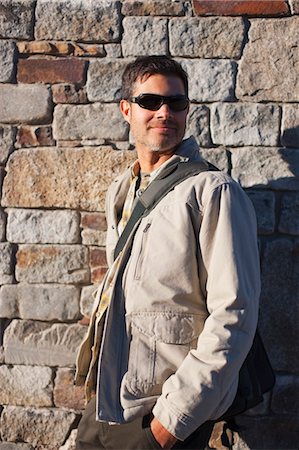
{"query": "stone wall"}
{"type": "Point", "coordinates": [62, 140]}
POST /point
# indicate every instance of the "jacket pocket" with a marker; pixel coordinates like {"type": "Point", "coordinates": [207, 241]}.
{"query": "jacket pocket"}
{"type": "Point", "coordinates": [160, 341]}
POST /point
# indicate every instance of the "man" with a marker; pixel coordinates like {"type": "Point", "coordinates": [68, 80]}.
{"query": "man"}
{"type": "Point", "coordinates": [177, 311]}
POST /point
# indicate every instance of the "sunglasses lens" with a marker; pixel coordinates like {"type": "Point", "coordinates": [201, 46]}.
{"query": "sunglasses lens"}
{"type": "Point", "coordinates": [178, 104]}
{"type": "Point", "coordinates": [151, 102]}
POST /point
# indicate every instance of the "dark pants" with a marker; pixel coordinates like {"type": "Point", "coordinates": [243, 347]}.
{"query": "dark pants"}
{"type": "Point", "coordinates": [93, 435]}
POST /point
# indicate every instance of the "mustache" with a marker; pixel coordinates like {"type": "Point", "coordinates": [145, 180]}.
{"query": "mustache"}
{"type": "Point", "coordinates": [163, 123]}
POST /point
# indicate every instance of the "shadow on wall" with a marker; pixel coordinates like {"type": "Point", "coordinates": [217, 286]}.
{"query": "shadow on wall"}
{"type": "Point", "coordinates": [274, 424]}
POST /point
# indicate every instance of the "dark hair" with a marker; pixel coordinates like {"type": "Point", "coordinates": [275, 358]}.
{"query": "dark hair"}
{"type": "Point", "coordinates": [145, 66]}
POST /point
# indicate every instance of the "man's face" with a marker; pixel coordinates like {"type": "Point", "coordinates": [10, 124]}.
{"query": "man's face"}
{"type": "Point", "coordinates": [160, 130]}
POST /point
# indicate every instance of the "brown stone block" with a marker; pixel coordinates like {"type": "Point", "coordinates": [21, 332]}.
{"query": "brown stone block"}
{"type": "Point", "coordinates": [69, 144]}
{"type": "Point", "coordinates": [45, 47]}
{"type": "Point", "coordinates": [74, 178]}
{"type": "Point", "coordinates": [66, 70]}
{"type": "Point", "coordinates": [66, 394]}
{"type": "Point", "coordinates": [88, 50]}
{"type": "Point", "coordinates": [97, 257]}
{"type": "Point", "coordinates": [240, 8]}
{"type": "Point", "coordinates": [152, 8]}
{"type": "Point", "coordinates": [69, 93]}
{"type": "Point", "coordinates": [28, 136]}
{"type": "Point", "coordinates": [98, 274]}
{"type": "Point", "coordinates": [94, 221]}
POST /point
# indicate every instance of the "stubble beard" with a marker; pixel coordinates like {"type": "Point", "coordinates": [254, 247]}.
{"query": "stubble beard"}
{"type": "Point", "coordinates": [165, 145]}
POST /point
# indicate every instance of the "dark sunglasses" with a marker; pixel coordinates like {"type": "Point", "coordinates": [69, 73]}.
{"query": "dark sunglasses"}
{"type": "Point", "coordinates": [153, 102]}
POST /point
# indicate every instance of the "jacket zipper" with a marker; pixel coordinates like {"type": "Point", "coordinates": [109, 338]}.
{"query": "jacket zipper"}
{"type": "Point", "coordinates": [141, 253]}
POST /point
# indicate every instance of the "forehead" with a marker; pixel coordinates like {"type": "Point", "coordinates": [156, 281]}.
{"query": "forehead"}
{"type": "Point", "coordinates": [159, 84]}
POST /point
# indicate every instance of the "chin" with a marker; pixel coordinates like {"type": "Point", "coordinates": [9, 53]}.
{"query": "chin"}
{"type": "Point", "coordinates": [162, 147]}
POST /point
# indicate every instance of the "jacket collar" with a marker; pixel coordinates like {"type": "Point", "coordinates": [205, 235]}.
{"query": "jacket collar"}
{"type": "Point", "coordinates": [188, 150]}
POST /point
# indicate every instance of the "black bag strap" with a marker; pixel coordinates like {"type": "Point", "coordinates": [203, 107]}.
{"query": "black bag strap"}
{"type": "Point", "coordinates": [154, 193]}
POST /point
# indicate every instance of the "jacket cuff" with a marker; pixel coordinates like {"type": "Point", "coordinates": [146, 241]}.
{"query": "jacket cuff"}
{"type": "Point", "coordinates": [179, 425]}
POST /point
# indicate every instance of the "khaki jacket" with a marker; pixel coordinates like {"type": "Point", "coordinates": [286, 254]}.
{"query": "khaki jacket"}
{"type": "Point", "coordinates": [185, 305]}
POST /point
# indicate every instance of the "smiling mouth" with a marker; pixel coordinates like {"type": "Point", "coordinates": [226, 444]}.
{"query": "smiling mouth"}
{"type": "Point", "coordinates": [163, 127]}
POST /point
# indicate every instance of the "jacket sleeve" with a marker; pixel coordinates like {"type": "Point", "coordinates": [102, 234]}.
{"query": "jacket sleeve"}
{"type": "Point", "coordinates": [205, 384]}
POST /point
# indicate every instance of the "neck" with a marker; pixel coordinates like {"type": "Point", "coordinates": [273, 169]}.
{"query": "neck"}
{"type": "Point", "coordinates": [150, 161]}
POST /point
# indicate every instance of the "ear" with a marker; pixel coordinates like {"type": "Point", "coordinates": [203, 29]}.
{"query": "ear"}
{"type": "Point", "coordinates": [125, 109]}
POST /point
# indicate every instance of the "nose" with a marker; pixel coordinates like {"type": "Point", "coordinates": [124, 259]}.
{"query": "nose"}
{"type": "Point", "coordinates": [164, 111]}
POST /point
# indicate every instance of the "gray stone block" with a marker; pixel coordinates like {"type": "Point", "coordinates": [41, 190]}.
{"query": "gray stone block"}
{"type": "Point", "coordinates": [7, 139]}
{"type": "Point", "coordinates": [70, 443]}
{"type": "Point", "coordinates": [206, 37]}
{"type": "Point", "coordinates": [61, 179]}
{"type": "Point", "coordinates": [264, 433]}
{"type": "Point", "coordinates": [210, 80]}
{"type": "Point", "coordinates": [26, 386]}
{"type": "Point", "coordinates": [264, 205]}
{"type": "Point", "coordinates": [13, 446]}
{"type": "Point", "coordinates": [290, 125]}
{"type": "Point", "coordinates": [144, 36]}
{"type": "Point", "coordinates": [198, 125]}
{"type": "Point", "coordinates": [279, 302]}
{"type": "Point", "coordinates": [93, 237]}
{"type": "Point", "coordinates": [294, 6]}
{"type": "Point", "coordinates": [42, 227]}
{"type": "Point", "coordinates": [285, 398]}
{"type": "Point", "coordinates": [6, 275]}
{"type": "Point", "coordinates": [238, 124]}
{"type": "Point", "coordinates": [39, 343]}
{"type": "Point", "coordinates": [217, 156]}
{"type": "Point", "coordinates": [24, 103]}
{"type": "Point", "coordinates": [84, 21]}
{"type": "Point", "coordinates": [7, 53]}
{"type": "Point", "coordinates": [39, 302]}
{"type": "Point", "coordinates": [104, 79]}
{"type": "Point", "coordinates": [52, 264]}
{"type": "Point", "coordinates": [266, 167]}
{"type": "Point", "coordinates": [289, 216]}
{"type": "Point", "coordinates": [16, 19]}
{"type": "Point", "coordinates": [44, 428]}
{"type": "Point", "coordinates": [87, 300]}
{"type": "Point", "coordinates": [272, 46]}
{"type": "Point", "coordinates": [94, 121]}
{"type": "Point", "coordinates": [113, 50]}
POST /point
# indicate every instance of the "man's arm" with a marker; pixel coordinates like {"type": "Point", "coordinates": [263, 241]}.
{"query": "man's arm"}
{"type": "Point", "coordinates": [204, 385]}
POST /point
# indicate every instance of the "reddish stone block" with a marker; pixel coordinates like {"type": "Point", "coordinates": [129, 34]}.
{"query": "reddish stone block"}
{"type": "Point", "coordinates": [94, 221]}
{"type": "Point", "coordinates": [66, 395]}
{"type": "Point", "coordinates": [34, 136]}
{"type": "Point", "coordinates": [41, 70]}
{"type": "Point", "coordinates": [98, 274]}
{"type": "Point", "coordinates": [97, 257]}
{"type": "Point", "coordinates": [240, 8]}
{"type": "Point", "coordinates": [69, 93]}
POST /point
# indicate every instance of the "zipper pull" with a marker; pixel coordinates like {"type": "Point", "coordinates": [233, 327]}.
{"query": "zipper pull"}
{"type": "Point", "coordinates": [146, 228]}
